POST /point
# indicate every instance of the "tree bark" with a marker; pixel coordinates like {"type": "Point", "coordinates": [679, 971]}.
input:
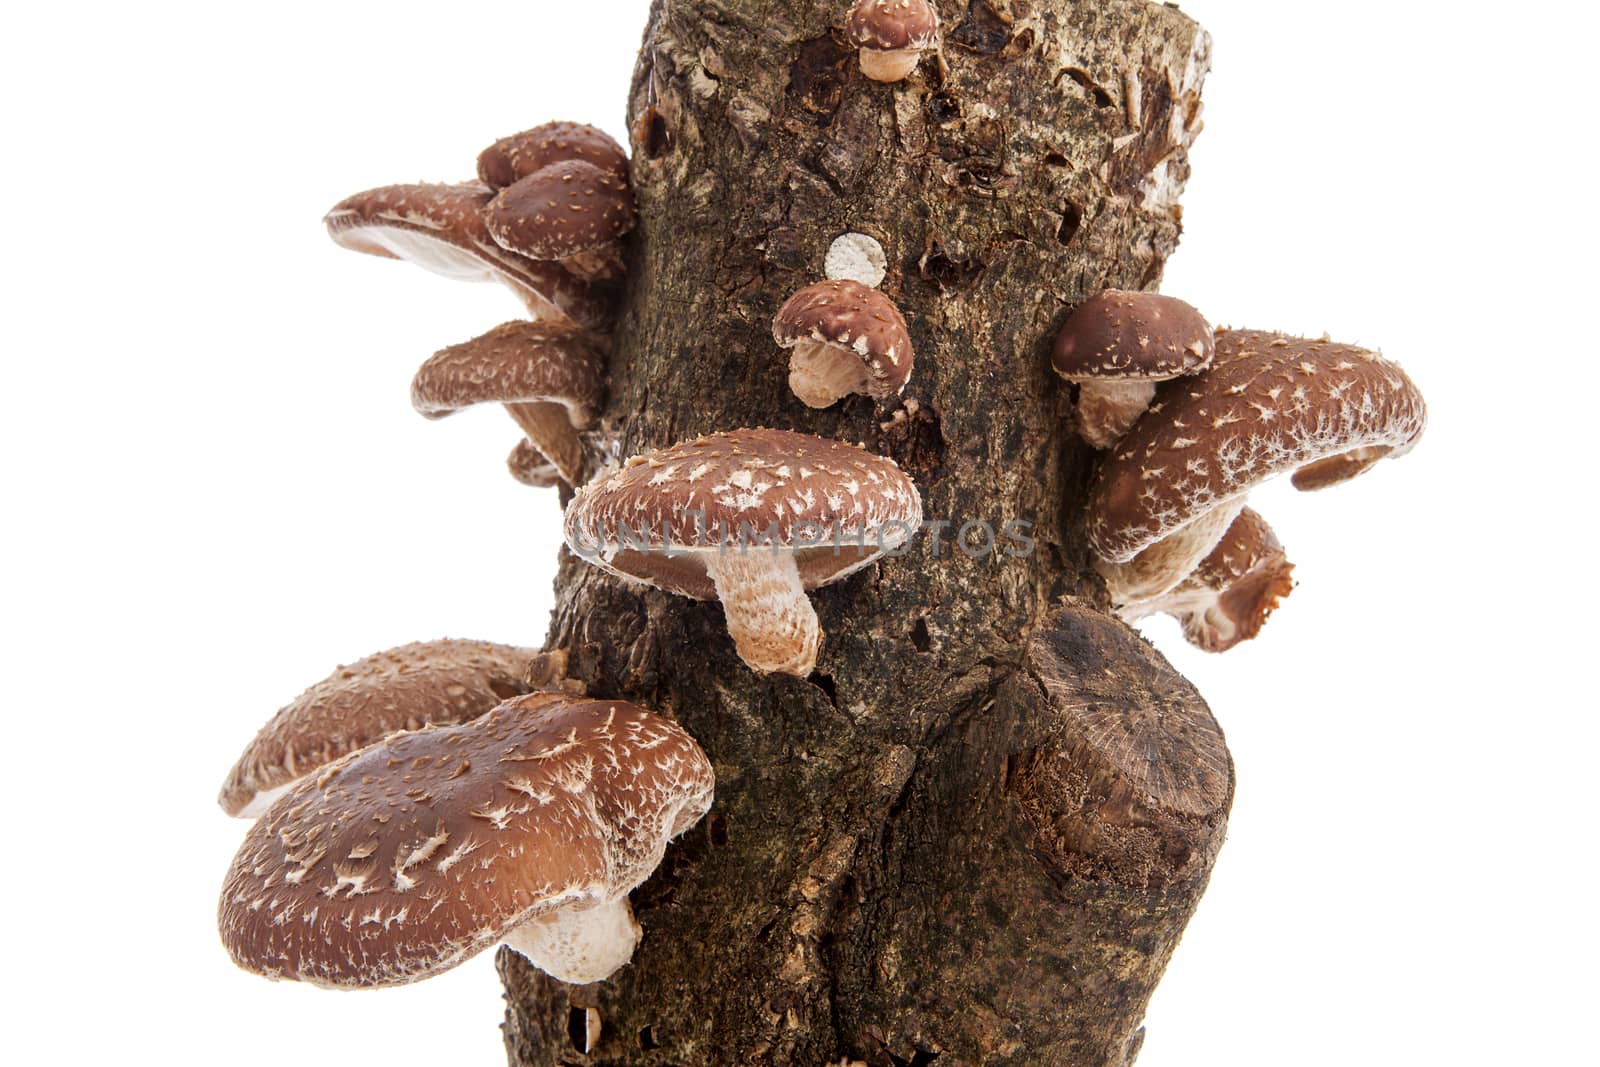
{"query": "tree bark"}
{"type": "Point", "coordinates": [977, 832]}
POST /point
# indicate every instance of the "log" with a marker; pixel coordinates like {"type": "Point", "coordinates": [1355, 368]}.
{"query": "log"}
{"type": "Point", "coordinates": [976, 833]}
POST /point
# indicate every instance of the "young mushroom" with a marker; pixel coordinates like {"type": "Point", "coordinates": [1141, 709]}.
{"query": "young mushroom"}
{"type": "Point", "coordinates": [547, 375]}
{"type": "Point", "coordinates": [423, 684]}
{"type": "Point", "coordinates": [512, 158]}
{"type": "Point", "coordinates": [441, 229]}
{"type": "Point", "coordinates": [1228, 597]}
{"type": "Point", "coordinates": [529, 825]}
{"type": "Point", "coordinates": [891, 36]}
{"type": "Point", "coordinates": [570, 211]}
{"type": "Point", "coordinates": [1162, 500]}
{"type": "Point", "coordinates": [844, 338]}
{"type": "Point", "coordinates": [530, 467]}
{"type": "Point", "coordinates": [753, 518]}
{"type": "Point", "coordinates": [1117, 346]}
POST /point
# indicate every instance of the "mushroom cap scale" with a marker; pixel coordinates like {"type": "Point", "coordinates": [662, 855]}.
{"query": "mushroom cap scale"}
{"type": "Point", "coordinates": [512, 158]}
{"type": "Point", "coordinates": [886, 25]}
{"type": "Point", "coordinates": [516, 362]}
{"type": "Point", "coordinates": [855, 318]}
{"type": "Point", "coordinates": [1122, 335]}
{"type": "Point", "coordinates": [441, 228]}
{"type": "Point", "coordinates": [656, 518]}
{"type": "Point", "coordinates": [563, 210]}
{"type": "Point", "coordinates": [1268, 404]}
{"type": "Point", "coordinates": [406, 688]}
{"type": "Point", "coordinates": [407, 857]}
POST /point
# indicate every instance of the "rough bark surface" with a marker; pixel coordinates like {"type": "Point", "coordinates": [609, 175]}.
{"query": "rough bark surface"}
{"type": "Point", "coordinates": [977, 832]}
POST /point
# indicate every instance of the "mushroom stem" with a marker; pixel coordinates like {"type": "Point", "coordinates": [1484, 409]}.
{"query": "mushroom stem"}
{"type": "Point", "coordinates": [579, 946]}
{"type": "Point", "coordinates": [1159, 568]}
{"type": "Point", "coordinates": [771, 620]}
{"type": "Point", "coordinates": [1108, 409]}
{"type": "Point", "coordinates": [889, 65]}
{"type": "Point", "coordinates": [821, 373]}
{"type": "Point", "coordinates": [550, 429]}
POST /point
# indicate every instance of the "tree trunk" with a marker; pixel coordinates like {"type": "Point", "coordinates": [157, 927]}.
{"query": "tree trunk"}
{"type": "Point", "coordinates": [977, 832]}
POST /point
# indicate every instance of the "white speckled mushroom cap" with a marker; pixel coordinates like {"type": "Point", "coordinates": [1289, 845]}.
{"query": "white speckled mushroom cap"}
{"type": "Point", "coordinates": [1268, 405]}
{"type": "Point", "coordinates": [516, 362]}
{"type": "Point", "coordinates": [856, 318]}
{"type": "Point", "coordinates": [892, 24]}
{"type": "Point", "coordinates": [562, 210]}
{"type": "Point", "coordinates": [654, 518]}
{"type": "Point", "coordinates": [1120, 335]}
{"type": "Point", "coordinates": [408, 857]}
{"type": "Point", "coordinates": [441, 228]}
{"type": "Point", "coordinates": [422, 684]}
{"type": "Point", "coordinates": [512, 158]}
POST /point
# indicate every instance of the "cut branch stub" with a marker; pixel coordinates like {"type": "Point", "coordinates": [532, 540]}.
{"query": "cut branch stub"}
{"type": "Point", "coordinates": [548, 376]}
{"type": "Point", "coordinates": [1268, 405]}
{"type": "Point", "coordinates": [753, 518]}
{"type": "Point", "coordinates": [1229, 596]}
{"type": "Point", "coordinates": [1152, 757]}
{"type": "Point", "coordinates": [441, 228]}
{"type": "Point", "coordinates": [530, 825]}
{"type": "Point", "coordinates": [424, 684]}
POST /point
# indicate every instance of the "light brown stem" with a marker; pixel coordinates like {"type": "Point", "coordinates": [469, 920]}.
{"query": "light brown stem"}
{"type": "Point", "coordinates": [770, 618]}
{"type": "Point", "coordinates": [549, 429]}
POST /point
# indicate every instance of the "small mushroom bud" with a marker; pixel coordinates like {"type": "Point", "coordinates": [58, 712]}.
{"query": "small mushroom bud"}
{"type": "Point", "coordinates": [571, 211]}
{"type": "Point", "coordinates": [440, 228]}
{"type": "Point", "coordinates": [752, 518]}
{"type": "Point", "coordinates": [844, 338]}
{"type": "Point", "coordinates": [513, 158]}
{"type": "Point", "coordinates": [1117, 346]}
{"type": "Point", "coordinates": [892, 35]}
{"type": "Point", "coordinates": [1227, 598]}
{"type": "Point", "coordinates": [548, 376]}
{"type": "Point", "coordinates": [1270, 404]}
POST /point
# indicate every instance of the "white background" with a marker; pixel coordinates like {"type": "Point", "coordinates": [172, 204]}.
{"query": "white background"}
{"type": "Point", "coordinates": [215, 490]}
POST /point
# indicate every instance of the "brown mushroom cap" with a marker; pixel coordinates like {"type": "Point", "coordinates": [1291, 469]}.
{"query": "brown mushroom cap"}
{"type": "Point", "coordinates": [887, 25]}
{"type": "Point", "coordinates": [1228, 597]}
{"type": "Point", "coordinates": [1269, 404]}
{"type": "Point", "coordinates": [441, 229]}
{"type": "Point", "coordinates": [512, 158]}
{"type": "Point", "coordinates": [561, 211]}
{"type": "Point", "coordinates": [406, 688]}
{"type": "Point", "coordinates": [855, 319]}
{"type": "Point", "coordinates": [516, 362]}
{"type": "Point", "coordinates": [1119, 335]}
{"type": "Point", "coordinates": [695, 495]}
{"type": "Point", "coordinates": [408, 857]}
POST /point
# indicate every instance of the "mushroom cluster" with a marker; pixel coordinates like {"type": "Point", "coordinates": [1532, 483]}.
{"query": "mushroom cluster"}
{"type": "Point", "coordinates": [546, 217]}
{"type": "Point", "coordinates": [1191, 420]}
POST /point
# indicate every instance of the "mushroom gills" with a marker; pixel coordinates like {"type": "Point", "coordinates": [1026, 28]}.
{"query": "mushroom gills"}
{"type": "Point", "coordinates": [770, 618]}
{"type": "Point", "coordinates": [1108, 409]}
{"type": "Point", "coordinates": [579, 946]}
{"type": "Point", "coordinates": [1159, 568]}
{"type": "Point", "coordinates": [549, 428]}
{"type": "Point", "coordinates": [820, 373]}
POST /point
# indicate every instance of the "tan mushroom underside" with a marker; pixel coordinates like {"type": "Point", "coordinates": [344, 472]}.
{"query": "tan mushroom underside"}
{"type": "Point", "coordinates": [1107, 409]}
{"type": "Point", "coordinates": [549, 429]}
{"type": "Point", "coordinates": [889, 65]}
{"type": "Point", "coordinates": [821, 374]}
{"type": "Point", "coordinates": [1170, 560]}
